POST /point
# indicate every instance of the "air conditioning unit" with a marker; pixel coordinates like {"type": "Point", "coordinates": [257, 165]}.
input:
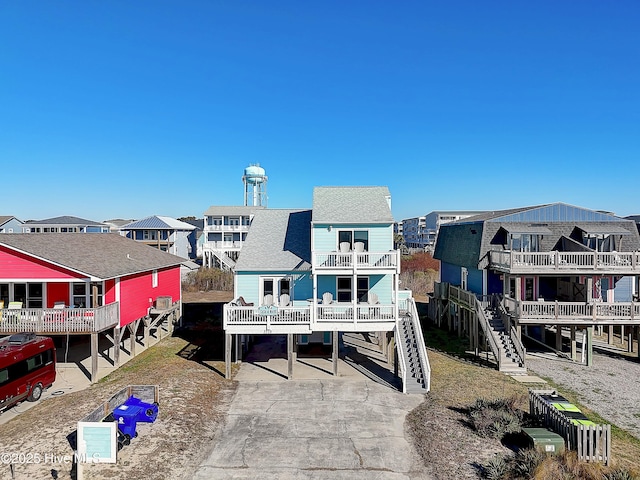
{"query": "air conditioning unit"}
{"type": "Point", "coordinates": [163, 303]}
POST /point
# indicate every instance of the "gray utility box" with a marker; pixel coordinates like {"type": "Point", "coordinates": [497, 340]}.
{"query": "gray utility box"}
{"type": "Point", "coordinates": [544, 440]}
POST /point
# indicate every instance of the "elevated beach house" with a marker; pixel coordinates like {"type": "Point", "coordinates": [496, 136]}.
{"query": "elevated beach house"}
{"type": "Point", "coordinates": [540, 269]}
{"type": "Point", "coordinates": [312, 274]}
{"type": "Point", "coordinates": [61, 284]}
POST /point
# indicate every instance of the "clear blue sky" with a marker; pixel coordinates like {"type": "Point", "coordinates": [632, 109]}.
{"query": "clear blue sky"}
{"type": "Point", "coordinates": [124, 109]}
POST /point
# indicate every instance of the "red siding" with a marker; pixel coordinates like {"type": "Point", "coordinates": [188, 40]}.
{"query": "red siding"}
{"type": "Point", "coordinates": [57, 292]}
{"type": "Point", "coordinates": [136, 290]}
{"type": "Point", "coordinates": [109, 291]}
{"type": "Point", "coordinates": [17, 265]}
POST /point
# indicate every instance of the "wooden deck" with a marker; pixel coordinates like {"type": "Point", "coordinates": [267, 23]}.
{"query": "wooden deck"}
{"type": "Point", "coordinates": [57, 321]}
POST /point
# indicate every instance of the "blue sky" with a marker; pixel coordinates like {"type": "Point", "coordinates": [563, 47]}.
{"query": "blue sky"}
{"type": "Point", "coordinates": [120, 109]}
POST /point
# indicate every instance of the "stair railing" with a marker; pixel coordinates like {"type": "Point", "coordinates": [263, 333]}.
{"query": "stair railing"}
{"type": "Point", "coordinates": [401, 353]}
{"type": "Point", "coordinates": [488, 332]}
{"type": "Point", "coordinates": [422, 348]}
{"type": "Point", "coordinates": [513, 335]}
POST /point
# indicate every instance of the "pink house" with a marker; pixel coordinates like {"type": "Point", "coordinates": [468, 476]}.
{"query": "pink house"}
{"type": "Point", "coordinates": [63, 283]}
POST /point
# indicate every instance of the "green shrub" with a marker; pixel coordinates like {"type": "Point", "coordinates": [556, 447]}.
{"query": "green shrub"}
{"type": "Point", "coordinates": [495, 418]}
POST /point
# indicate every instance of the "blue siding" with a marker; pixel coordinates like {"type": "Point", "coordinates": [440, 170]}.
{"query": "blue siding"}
{"type": "Point", "coordinates": [450, 273]}
{"type": "Point", "coordinates": [380, 237]}
{"type": "Point", "coordinates": [247, 285]}
{"type": "Point", "coordinates": [474, 281]}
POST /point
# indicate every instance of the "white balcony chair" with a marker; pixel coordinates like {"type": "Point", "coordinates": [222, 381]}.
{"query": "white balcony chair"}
{"type": "Point", "coordinates": [372, 299]}
{"type": "Point", "coordinates": [345, 247]}
{"type": "Point", "coordinates": [285, 300]}
{"type": "Point", "coordinates": [327, 299]}
{"type": "Point", "coordinates": [268, 300]}
{"type": "Point", "coordinates": [359, 247]}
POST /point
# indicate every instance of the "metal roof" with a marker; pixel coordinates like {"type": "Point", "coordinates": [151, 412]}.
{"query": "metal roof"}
{"type": "Point", "coordinates": [105, 256]}
{"type": "Point", "coordinates": [279, 240]}
{"type": "Point", "coordinates": [343, 205]}
{"type": "Point", "coordinates": [157, 222]}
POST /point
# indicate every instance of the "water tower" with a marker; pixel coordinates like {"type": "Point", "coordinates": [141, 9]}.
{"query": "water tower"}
{"type": "Point", "coordinates": [255, 186]}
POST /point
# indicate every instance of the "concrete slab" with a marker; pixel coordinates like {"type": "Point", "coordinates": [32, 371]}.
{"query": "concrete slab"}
{"type": "Point", "coordinates": [528, 379]}
{"type": "Point", "coordinates": [347, 427]}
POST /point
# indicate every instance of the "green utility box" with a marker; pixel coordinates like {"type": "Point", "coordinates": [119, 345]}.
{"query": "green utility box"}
{"type": "Point", "coordinates": [544, 440]}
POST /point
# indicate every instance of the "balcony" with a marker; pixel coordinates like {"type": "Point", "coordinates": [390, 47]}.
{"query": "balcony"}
{"type": "Point", "coordinates": [226, 228]}
{"type": "Point", "coordinates": [356, 261]}
{"type": "Point", "coordinates": [578, 263]}
{"type": "Point", "coordinates": [57, 321]}
{"type": "Point", "coordinates": [305, 319]}
{"type": "Point", "coordinates": [221, 245]}
{"type": "Point", "coordinates": [573, 313]}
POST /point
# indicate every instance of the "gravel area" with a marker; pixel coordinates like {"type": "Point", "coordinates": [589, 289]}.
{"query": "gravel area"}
{"type": "Point", "coordinates": [610, 387]}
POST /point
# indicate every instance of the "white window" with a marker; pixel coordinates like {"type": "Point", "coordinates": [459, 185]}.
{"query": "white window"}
{"type": "Point", "coordinates": [154, 279]}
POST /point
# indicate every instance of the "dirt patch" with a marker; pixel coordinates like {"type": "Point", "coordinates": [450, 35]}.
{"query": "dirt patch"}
{"type": "Point", "coordinates": [194, 398]}
{"type": "Point", "coordinates": [447, 444]}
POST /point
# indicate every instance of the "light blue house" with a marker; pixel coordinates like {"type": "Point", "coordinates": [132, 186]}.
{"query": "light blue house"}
{"type": "Point", "coordinates": [10, 224]}
{"type": "Point", "coordinates": [312, 274]}
{"type": "Point", "coordinates": [164, 233]}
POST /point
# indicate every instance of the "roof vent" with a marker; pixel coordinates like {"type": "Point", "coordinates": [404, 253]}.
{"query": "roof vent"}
{"type": "Point", "coordinates": [129, 256]}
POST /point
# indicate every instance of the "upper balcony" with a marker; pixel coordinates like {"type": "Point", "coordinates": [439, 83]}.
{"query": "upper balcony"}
{"type": "Point", "coordinates": [59, 320]}
{"type": "Point", "coordinates": [340, 263]}
{"type": "Point", "coordinates": [226, 228]}
{"type": "Point", "coordinates": [577, 263]}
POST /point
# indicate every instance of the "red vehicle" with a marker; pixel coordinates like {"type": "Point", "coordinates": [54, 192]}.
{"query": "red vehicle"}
{"type": "Point", "coordinates": [27, 367]}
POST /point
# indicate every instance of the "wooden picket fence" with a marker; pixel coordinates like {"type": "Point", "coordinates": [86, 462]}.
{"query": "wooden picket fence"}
{"type": "Point", "coordinates": [592, 442]}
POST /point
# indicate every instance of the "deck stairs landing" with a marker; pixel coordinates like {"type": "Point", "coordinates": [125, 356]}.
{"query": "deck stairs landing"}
{"type": "Point", "coordinates": [226, 262]}
{"type": "Point", "coordinates": [510, 361]}
{"type": "Point", "coordinates": [415, 376]}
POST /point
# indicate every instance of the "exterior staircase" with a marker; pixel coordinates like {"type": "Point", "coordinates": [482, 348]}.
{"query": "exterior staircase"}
{"type": "Point", "coordinates": [510, 360]}
{"type": "Point", "coordinates": [411, 348]}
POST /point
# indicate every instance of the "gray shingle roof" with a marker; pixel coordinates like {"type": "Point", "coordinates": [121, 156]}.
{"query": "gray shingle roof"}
{"type": "Point", "coordinates": [466, 242]}
{"type": "Point", "coordinates": [100, 256]}
{"type": "Point", "coordinates": [157, 222]}
{"type": "Point", "coordinates": [64, 220]}
{"type": "Point", "coordinates": [351, 205]}
{"type": "Point", "coordinates": [279, 240]}
{"type": "Point", "coordinates": [5, 218]}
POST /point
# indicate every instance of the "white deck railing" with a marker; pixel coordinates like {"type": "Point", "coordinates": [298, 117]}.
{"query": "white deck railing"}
{"type": "Point", "coordinates": [565, 261]}
{"type": "Point", "coordinates": [363, 260]}
{"type": "Point", "coordinates": [64, 320]}
{"type": "Point", "coordinates": [302, 316]}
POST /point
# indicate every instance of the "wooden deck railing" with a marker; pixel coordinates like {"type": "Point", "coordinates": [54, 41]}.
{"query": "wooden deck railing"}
{"type": "Point", "coordinates": [510, 261]}
{"type": "Point", "coordinates": [567, 312]}
{"type": "Point", "coordinates": [64, 320]}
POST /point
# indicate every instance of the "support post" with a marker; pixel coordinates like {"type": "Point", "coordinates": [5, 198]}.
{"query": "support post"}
{"type": "Point", "coordinates": [610, 334]}
{"type": "Point", "coordinates": [228, 340]}
{"type": "Point", "coordinates": [559, 338]}
{"type": "Point", "coordinates": [334, 352]}
{"type": "Point", "coordinates": [384, 344]}
{"type": "Point", "coordinates": [629, 339]}
{"type": "Point", "coordinates": [116, 346]}
{"type": "Point", "coordinates": [94, 357]}
{"type": "Point", "coordinates": [133, 328]}
{"type": "Point", "coordinates": [289, 356]}
{"type": "Point", "coordinates": [589, 346]}
{"type": "Point", "coordinates": [574, 353]}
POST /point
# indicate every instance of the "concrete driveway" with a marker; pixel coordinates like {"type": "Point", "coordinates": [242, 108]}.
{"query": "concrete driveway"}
{"type": "Point", "coordinates": [345, 427]}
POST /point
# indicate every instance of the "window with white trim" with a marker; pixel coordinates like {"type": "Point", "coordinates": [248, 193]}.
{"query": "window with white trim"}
{"type": "Point", "coordinates": [154, 279]}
